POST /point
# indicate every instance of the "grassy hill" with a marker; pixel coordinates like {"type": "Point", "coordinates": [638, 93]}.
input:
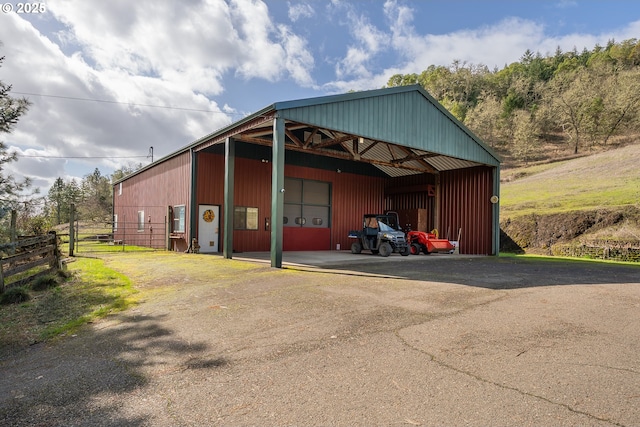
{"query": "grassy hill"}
{"type": "Point", "coordinates": [594, 197]}
{"type": "Point", "coordinates": [607, 179]}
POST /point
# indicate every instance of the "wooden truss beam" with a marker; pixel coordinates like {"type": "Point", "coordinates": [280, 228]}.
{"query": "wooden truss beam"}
{"type": "Point", "coordinates": [262, 135]}
{"type": "Point", "coordinates": [333, 154]}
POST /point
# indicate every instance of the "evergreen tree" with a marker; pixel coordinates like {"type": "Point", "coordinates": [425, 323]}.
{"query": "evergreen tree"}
{"type": "Point", "coordinates": [96, 197]}
{"type": "Point", "coordinates": [11, 109]}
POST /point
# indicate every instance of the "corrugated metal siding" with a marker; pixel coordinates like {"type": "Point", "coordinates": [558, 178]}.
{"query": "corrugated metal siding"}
{"type": "Point", "coordinates": [464, 202]}
{"type": "Point", "coordinates": [405, 201]}
{"type": "Point", "coordinates": [352, 196]}
{"type": "Point", "coordinates": [252, 187]}
{"type": "Point", "coordinates": [398, 200]}
{"type": "Point", "coordinates": [465, 205]}
{"type": "Point", "coordinates": [153, 190]}
{"type": "Point", "coordinates": [406, 118]}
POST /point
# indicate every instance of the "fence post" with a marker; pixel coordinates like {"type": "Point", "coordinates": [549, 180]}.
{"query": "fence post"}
{"type": "Point", "coordinates": [56, 263]}
{"type": "Point", "coordinates": [13, 231]}
{"type": "Point", "coordinates": [72, 234]}
{"type": "Point", "coordinates": [77, 235]}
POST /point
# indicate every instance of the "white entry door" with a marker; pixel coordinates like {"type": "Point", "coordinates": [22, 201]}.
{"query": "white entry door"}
{"type": "Point", "coordinates": [209, 228]}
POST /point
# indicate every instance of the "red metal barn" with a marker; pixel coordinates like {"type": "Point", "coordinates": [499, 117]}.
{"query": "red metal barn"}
{"type": "Point", "coordinates": [299, 175]}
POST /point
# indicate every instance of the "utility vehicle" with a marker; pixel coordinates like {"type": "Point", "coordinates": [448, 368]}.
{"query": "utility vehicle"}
{"type": "Point", "coordinates": [380, 234]}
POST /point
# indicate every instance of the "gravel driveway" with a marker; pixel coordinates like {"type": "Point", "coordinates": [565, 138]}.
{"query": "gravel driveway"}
{"type": "Point", "coordinates": [441, 340]}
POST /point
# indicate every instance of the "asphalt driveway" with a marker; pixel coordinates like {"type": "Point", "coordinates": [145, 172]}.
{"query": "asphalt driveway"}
{"type": "Point", "coordinates": [433, 341]}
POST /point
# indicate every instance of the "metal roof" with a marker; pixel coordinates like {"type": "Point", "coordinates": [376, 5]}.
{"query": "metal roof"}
{"type": "Point", "coordinates": [405, 116]}
{"type": "Point", "coordinates": [400, 130]}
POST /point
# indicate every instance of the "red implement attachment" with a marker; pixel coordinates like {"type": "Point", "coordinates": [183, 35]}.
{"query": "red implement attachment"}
{"type": "Point", "coordinates": [428, 243]}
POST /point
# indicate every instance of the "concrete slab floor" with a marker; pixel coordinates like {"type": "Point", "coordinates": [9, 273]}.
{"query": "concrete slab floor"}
{"type": "Point", "coordinates": [322, 259]}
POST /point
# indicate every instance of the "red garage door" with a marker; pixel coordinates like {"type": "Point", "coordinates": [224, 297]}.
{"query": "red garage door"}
{"type": "Point", "coordinates": [307, 210]}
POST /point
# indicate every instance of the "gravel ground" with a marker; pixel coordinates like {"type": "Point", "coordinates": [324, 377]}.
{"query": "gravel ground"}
{"type": "Point", "coordinates": [440, 340]}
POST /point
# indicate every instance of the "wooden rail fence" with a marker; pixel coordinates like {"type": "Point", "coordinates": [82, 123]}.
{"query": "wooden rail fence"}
{"type": "Point", "coordinates": [29, 257]}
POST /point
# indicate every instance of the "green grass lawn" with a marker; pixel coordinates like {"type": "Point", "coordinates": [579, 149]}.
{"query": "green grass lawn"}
{"type": "Point", "coordinates": [96, 289]}
{"type": "Point", "coordinates": [608, 179]}
{"type": "Point", "coordinates": [92, 291]}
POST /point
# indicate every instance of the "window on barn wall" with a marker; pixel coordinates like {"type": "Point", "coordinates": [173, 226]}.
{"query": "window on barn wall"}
{"type": "Point", "coordinates": [307, 203]}
{"type": "Point", "coordinates": [178, 218]}
{"type": "Point", "coordinates": [115, 222]}
{"type": "Point", "coordinates": [140, 220]}
{"type": "Point", "coordinates": [245, 218]}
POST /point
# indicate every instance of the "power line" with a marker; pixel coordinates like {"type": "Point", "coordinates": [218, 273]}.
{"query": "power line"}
{"type": "Point", "coordinates": [87, 157]}
{"type": "Point", "coordinates": [82, 157]}
{"type": "Point", "coordinates": [122, 103]}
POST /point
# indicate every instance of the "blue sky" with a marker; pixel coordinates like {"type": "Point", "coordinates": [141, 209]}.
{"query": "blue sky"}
{"type": "Point", "coordinates": [231, 58]}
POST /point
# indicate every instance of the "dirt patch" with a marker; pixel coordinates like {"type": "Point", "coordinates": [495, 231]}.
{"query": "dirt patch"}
{"type": "Point", "coordinates": [539, 232]}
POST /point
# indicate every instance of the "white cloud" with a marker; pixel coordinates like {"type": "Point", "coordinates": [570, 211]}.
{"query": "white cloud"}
{"type": "Point", "coordinates": [400, 16]}
{"type": "Point", "coordinates": [196, 41]}
{"type": "Point", "coordinates": [67, 124]}
{"type": "Point", "coordinates": [494, 45]}
{"type": "Point", "coordinates": [41, 171]}
{"type": "Point", "coordinates": [301, 10]}
{"type": "Point", "coordinates": [265, 47]}
{"type": "Point", "coordinates": [260, 57]}
{"type": "Point", "coordinates": [131, 55]}
{"type": "Point", "coordinates": [298, 60]}
{"type": "Point", "coordinates": [354, 64]}
{"type": "Point", "coordinates": [172, 41]}
{"type": "Point", "coordinates": [368, 42]}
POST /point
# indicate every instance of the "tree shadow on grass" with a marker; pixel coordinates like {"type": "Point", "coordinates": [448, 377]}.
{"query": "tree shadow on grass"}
{"type": "Point", "coordinates": [84, 379]}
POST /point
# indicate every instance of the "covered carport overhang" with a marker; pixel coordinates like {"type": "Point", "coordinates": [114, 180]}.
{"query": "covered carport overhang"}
{"type": "Point", "coordinates": [281, 128]}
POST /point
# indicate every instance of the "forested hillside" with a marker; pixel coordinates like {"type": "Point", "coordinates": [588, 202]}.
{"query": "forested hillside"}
{"type": "Point", "coordinates": [544, 106]}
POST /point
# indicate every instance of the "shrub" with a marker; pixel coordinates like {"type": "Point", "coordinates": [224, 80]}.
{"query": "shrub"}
{"type": "Point", "coordinates": [44, 282]}
{"type": "Point", "coordinates": [15, 295]}
{"type": "Point", "coordinates": [64, 275]}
